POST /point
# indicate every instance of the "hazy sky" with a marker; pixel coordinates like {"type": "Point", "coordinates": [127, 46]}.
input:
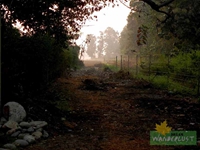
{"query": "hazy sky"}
{"type": "Point", "coordinates": [107, 17]}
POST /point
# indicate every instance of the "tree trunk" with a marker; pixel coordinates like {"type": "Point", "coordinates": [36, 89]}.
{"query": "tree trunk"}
{"type": "Point", "coordinates": [0, 69]}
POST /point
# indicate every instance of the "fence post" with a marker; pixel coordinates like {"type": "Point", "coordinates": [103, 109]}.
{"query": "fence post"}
{"type": "Point", "coordinates": [136, 64]}
{"type": "Point", "coordinates": [149, 66]}
{"type": "Point", "coordinates": [121, 63]}
{"type": "Point", "coordinates": [128, 62]}
{"type": "Point", "coordinates": [116, 62]}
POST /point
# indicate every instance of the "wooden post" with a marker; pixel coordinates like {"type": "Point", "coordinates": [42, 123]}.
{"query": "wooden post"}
{"type": "Point", "coordinates": [128, 62]}
{"type": "Point", "coordinates": [136, 64]}
{"type": "Point", "coordinates": [121, 63]}
{"type": "Point", "coordinates": [149, 66]}
{"type": "Point", "coordinates": [116, 62]}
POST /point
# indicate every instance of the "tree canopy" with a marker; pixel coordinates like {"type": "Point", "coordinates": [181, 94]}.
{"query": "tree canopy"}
{"type": "Point", "coordinates": [176, 20]}
{"type": "Point", "coordinates": [62, 18]}
{"type": "Point", "coordinates": [91, 45]}
{"type": "Point", "coordinates": [57, 17]}
{"type": "Point", "coordinates": [104, 45]}
{"type": "Point", "coordinates": [111, 43]}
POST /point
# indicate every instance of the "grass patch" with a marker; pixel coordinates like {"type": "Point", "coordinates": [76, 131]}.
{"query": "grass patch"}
{"type": "Point", "coordinates": [111, 67]}
{"type": "Point", "coordinates": [181, 89]}
{"type": "Point", "coordinates": [161, 82]}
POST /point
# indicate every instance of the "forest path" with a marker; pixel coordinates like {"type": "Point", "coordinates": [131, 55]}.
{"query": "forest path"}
{"type": "Point", "coordinates": [112, 111]}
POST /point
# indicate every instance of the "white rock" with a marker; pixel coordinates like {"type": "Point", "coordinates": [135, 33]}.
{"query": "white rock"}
{"type": "Point", "coordinates": [37, 135]}
{"type": "Point", "coordinates": [22, 143]}
{"type": "Point", "coordinates": [40, 129]}
{"type": "Point", "coordinates": [38, 124]}
{"type": "Point", "coordinates": [24, 124]}
{"type": "Point", "coordinates": [29, 138]}
{"type": "Point", "coordinates": [63, 119]}
{"type": "Point", "coordinates": [11, 124]}
{"type": "Point", "coordinates": [192, 123]}
{"type": "Point", "coordinates": [24, 130]}
{"type": "Point", "coordinates": [11, 131]}
{"type": "Point", "coordinates": [21, 135]}
{"type": "Point", "coordinates": [31, 129]}
{"type": "Point", "coordinates": [16, 111]}
{"type": "Point", "coordinates": [9, 146]}
{"type": "Point", "coordinates": [15, 134]}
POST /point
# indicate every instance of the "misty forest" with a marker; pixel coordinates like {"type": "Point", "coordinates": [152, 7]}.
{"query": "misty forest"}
{"type": "Point", "coordinates": [142, 80]}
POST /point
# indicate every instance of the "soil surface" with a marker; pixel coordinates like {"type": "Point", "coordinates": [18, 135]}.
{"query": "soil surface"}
{"type": "Point", "coordinates": [113, 111]}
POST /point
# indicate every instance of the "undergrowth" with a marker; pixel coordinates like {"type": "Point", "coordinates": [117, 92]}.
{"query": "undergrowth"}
{"type": "Point", "coordinates": [111, 67]}
{"type": "Point", "coordinates": [59, 96]}
{"type": "Point", "coordinates": [163, 82]}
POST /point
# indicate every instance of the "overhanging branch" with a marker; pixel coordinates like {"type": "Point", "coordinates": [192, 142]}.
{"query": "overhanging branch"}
{"type": "Point", "coordinates": [166, 3]}
{"type": "Point", "coordinates": [157, 7]}
{"type": "Point", "coordinates": [123, 3]}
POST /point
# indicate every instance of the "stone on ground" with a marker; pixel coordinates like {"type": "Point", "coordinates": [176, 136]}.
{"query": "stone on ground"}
{"type": "Point", "coordinates": [14, 111]}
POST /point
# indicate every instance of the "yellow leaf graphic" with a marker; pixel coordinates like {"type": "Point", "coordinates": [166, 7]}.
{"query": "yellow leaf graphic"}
{"type": "Point", "coordinates": [163, 129]}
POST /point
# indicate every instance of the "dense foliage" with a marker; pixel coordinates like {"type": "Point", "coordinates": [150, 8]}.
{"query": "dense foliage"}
{"type": "Point", "coordinates": [60, 18]}
{"type": "Point", "coordinates": [29, 64]}
{"type": "Point", "coordinates": [166, 36]}
{"type": "Point", "coordinates": [34, 58]}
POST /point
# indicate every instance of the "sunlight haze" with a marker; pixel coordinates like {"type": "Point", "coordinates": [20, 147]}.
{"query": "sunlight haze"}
{"type": "Point", "coordinates": [107, 17]}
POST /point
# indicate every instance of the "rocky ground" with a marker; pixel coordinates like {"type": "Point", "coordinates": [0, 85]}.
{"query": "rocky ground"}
{"type": "Point", "coordinates": [113, 111]}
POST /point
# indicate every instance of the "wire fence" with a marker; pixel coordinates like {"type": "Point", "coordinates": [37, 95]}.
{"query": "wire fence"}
{"type": "Point", "coordinates": [160, 70]}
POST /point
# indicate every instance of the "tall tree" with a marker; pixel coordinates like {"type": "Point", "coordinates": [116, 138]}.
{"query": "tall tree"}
{"type": "Point", "coordinates": [100, 45]}
{"type": "Point", "coordinates": [173, 22]}
{"type": "Point", "coordinates": [128, 36]}
{"type": "Point", "coordinates": [91, 45]}
{"type": "Point", "coordinates": [111, 40]}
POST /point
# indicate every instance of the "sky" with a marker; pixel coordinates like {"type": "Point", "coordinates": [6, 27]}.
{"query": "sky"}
{"type": "Point", "coordinates": [107, 17]}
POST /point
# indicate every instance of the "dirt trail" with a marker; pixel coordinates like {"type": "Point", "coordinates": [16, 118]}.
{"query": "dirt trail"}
{"type": "Point", "coordinates": [111, 111]}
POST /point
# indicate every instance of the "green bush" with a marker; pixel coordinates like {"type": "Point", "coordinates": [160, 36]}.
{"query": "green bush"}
{"type": "Point", "coordinates": [71, 56]}
{"type": "Point", "coordinates": [185, 65]}
{"type": "Point", "coordinates": [159, 66]}
{"type": "Point", "coordinates": [111, 68]}
{"type": "Point", "coordinates": [178, 74]}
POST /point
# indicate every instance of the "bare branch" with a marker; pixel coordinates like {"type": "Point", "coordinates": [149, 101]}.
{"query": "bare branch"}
{"type": "Point", "coordinates": [131, 8]}
{"type": "Point", "coordinates": [124, 4]}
